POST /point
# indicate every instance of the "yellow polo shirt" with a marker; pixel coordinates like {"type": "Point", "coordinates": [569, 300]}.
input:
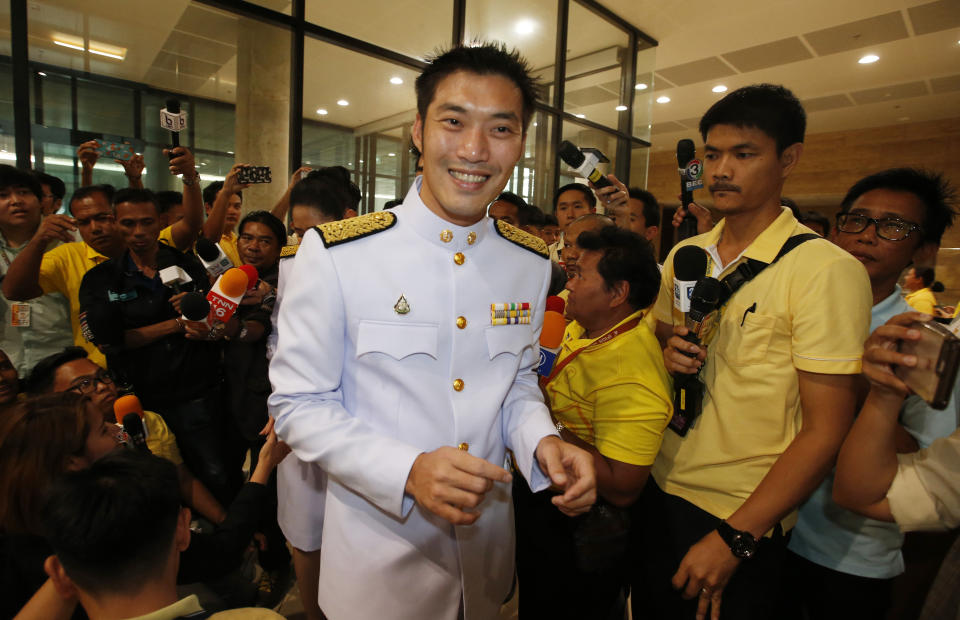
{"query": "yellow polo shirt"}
{"type": "Point", "coordinates": [808, 311]}
{"type": "Point", "coordinates": [61, 271]}
{"type": "Point", "coordinates": [616, 396]}
{"type": "Point", "coordinates": [160, 439]}
{"type": "Point", "coordinates": [922, 301]}
{"type": "Point", "coordinates": [228, 242]}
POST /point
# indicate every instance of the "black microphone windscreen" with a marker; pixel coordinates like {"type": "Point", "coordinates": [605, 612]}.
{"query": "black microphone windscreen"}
{"type": "Point", "coordinates": [689, 263]}
{"type": "Point", "coordinates": [706, 296]}
{"type": "Point", "coordinates": [570, 154]}
{"type": "Point", "coordinates": [207, 250]}
{"type": "Point", "coordinates": [194, 307]}
{"type": "Point", "coordinates": [173, 106]}
{"type": "Point", "coordinates": [686, 150]}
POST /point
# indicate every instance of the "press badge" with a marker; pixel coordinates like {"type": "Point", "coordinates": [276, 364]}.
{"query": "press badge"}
{"type": "Point", "coordinates": [20, 315]}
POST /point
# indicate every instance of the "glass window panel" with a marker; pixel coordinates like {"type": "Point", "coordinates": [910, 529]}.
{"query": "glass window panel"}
{"type": "Point", "coordinates": [5, 38]}
{"type": "Point", "coordinates": [386, 189]}
{"type": "Point", "coordinates": [104, 109]}
{"type": "Point", "coordinates": [388, 156]}
{"type": "Point", "coordinates": [595, 57]}
{"type": "Point", "coordinates": [214, 126]}
{"type": "Point", "coordinates": [327, 146]}
{"type": "Point", "coordinates": [643, 93]}
{"type": "Point", "coordinates": [57, 105]}
{"type": "Point", "coordinates": [532, 177]}
{"type": "Point", "coordinates": [281, 6]}
{"type": "Point", "coordinates": [6, 99]}
{"type": "Point", "coordinates": [412, 27]}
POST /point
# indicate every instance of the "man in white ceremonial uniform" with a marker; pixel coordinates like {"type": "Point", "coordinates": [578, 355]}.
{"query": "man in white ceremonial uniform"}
{"type": "Point", "coordinates": [405, 366]}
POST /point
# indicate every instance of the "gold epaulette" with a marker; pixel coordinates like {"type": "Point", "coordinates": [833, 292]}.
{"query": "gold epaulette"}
{"type": "Point", "coordinates": [342, 231]}
{"type": "Point", "coordinates": [289, 250]}
{"type": "Point", "coordinates": [522, 238]}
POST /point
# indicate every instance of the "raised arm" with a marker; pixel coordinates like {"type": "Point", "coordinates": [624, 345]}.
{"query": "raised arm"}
{"type": "Point", "coordinates": [283, 205]}
{"type": "Point", "coordinates": [213, 227]}
{"type": "Point", "coordinates": [185, 231]}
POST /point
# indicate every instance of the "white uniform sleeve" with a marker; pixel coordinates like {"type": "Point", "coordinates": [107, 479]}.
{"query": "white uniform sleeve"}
{"type": "Point", "coordinates": [307, 402]}
{"type": "Point", "coordinates": [526, 420]}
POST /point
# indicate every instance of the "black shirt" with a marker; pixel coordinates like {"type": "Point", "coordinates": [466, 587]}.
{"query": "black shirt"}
{"type": "Point", "coordinates": [116, 296]}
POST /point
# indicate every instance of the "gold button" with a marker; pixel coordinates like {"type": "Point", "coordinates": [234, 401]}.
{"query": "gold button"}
{"type": "Point", "coordinates": [458, 258]}
{"type": "Point", "coordinates": [471, 238]}
{"type": "Point", "coordinates": [461, 322]}
{"type": "Point", "coordinates": [458, 385]}
{"type": "Point", "coordinates": [464, 446]}
{"type": "Point", "coordinates": [446, 236]}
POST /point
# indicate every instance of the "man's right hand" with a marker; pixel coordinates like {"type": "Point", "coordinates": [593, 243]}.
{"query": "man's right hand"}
{"type": "Point", "coordinates": [448, 480]}
{"type": "Point", "coordinates": [230, 184]}
{"type": "Point", "coordinates": [87, 154]}
{"type": "Point", "coordinates": [681, 356]}
{"type": "Point", "coordinates": [705, 221]}
{"type": "Point", "coordinates": [55, 228]}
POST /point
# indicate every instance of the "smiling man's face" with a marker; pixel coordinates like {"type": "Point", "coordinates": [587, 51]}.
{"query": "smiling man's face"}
{"type": "Point", "coordinates": [471, 139]}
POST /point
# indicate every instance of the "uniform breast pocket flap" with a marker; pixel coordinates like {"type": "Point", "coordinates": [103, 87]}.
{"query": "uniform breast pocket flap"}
{"type": "Point", "coordinates": [750, 342]}
{"type": "Point", "coordinates": [398, 340]}
{"type": "Point", "coordinates": [508, 339]}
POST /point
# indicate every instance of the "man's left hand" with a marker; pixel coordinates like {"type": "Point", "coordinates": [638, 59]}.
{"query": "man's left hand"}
{"type": "Point", "coordinates": [704, 573]}
{"type": "Point", "coordinates": [571, 470]}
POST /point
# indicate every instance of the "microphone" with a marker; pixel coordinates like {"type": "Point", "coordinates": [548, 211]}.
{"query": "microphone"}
{"type": "Point", "coordinates": [691, 171]}
{"type": "Point", "coordinates": [689, 266]}
{"type": "Point", "coordinates": [174, 121]}
{"type": "Point", "coordinates": [174, 276]}
{"type": "Point", "coordinates": [226, 293]}
{"type": "Point", "coordinates": [252, 275]}
{"type": "Point", "coordinates": [129, 414]}
{"type": "Point", "coordinates": [688, 390]}
{"type": "Point", "coordinates": [555, 303]}
{"type": "Point", "coordinates": [550, 338]}
{"type": "Point", "coordinates": [195, 307]}
{"type": "Point", "coordinates": [214, 260]}
{"type": "Point", "coordinates": [584, 163]}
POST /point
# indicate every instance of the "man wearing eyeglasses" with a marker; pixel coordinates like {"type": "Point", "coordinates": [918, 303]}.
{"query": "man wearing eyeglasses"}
{"type": "Point", "coordinates": [71, 371]}
{"type": "Point", "coordinates": [842, 564]}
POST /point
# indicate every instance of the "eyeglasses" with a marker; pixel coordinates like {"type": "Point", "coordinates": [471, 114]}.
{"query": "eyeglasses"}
{"type": "Point", "coordinates": [889, 228]}
{"type": "Point", "coordinates": [88, 385]}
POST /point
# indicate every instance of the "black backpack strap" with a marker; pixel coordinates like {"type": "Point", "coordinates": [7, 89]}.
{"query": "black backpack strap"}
{"type": "Point", "coordinates": [750, 268]}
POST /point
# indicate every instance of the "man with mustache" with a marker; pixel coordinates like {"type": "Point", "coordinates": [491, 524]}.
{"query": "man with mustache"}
{"type": "Point", "coordinates": [725, 493]}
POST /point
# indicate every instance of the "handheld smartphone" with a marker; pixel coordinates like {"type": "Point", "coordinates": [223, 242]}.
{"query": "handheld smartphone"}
{"type": "Point", "coordinates": [254, 174]}
{"type": "Point", "coordinates": [938, 354]}
{"type": "Point", "coordinates": [115, 150]}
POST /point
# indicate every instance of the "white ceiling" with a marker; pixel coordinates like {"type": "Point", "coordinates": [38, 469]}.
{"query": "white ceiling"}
{"type": "Point", "coordinates": [916, 79]}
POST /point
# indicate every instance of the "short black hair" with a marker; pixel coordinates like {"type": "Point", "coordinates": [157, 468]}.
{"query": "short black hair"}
{"type": "Point", "coordinates": [135, 195]}
{"type": "Point", "coordinates": [927, 275]}
{"type": "Point", "coordinates": [771, 108]}
{"type": "Point", "coordinates": [210, 192]}
{"type": "Point", "coordinates": [167, 199]}
{"type": "Point", "coordinates": [513, 199]}
{"type": "Point", "coordinates": [580, 187]}
{"type": "Point", "coordinates": [532, 215]}
{"type": "Point", "coordinates": [40, 380]}
{"type": "Point", "coordinates": [328, 190]}
{"type": "Point", "coordinates": [817, 218]}
{"type": "Point", "coordinates": [15, 177]}
{"type": "Point", "coordinates": [94, 517]}
{"type": "Point", "coordinates": [931, 188]}
{"type": "Point", "coordinates": [83, 192]}
{"type": "Point", "coordinates": [396, 202]}
{"type": "Point", "coordinates": [57, 187]}
{"type": "Point", "coordinates": [270, 221]}
{"type": "Point", "coordinates": [480, 58]}
{"type": "Point", "coordinates": [549, 219]}
{"type": "Point", "coordinates": [626, 256]}
{"type": "Point", "coordinates": [651, 208]}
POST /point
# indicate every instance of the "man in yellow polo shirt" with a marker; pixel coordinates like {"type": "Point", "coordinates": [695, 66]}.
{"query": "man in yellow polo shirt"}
{"type": "Point", "coordinates": [223, 202]}
{"type": "Point", "coordinates": [610, 394]}
{"type": "Point", "coordinates": [726, 492]}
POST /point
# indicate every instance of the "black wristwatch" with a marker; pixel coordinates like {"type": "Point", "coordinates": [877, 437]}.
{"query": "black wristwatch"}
{"type": "Point", "coordinates": [742, 544]}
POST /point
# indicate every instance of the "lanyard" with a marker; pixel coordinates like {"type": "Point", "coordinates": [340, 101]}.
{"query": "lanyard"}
{"type": "Point", "coordinates": [607, 337]}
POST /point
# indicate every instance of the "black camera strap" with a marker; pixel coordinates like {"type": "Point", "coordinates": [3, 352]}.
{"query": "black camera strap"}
{"type": "Point", "coordinates": [751, 268]}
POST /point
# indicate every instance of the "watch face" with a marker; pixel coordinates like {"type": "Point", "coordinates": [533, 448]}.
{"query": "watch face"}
{"type": "Point", "coordinates": [743, 546]}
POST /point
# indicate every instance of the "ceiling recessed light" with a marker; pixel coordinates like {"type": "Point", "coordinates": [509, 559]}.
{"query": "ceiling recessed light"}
{"type": "Point", "coordinates": [72, 46]}
{"type": "Point", "coordinates": [580, 115]}
{"type": "Point", "coordinates": [41, 74]}
{"type": "Point", "coordinates": [391, 154]}
{"type": "Point", "coordinates": [343, 102]}
{"type": "Point", "coordinates": [868, 59]}
{"type": "Point", "coordinates": [719, 88]}
{"type": "Point", "coordinates": [525, 26]}
{"type": "Point", "coordinates": [641, 86]}
{"type": "Point", "coordinates": [663, 99]}
{"type": "Point", "coordinates": [396, 80]}
{"type": "Point", "coordinates": [620, 108]}
{"type": "Point", "coordinates": [322, 112]}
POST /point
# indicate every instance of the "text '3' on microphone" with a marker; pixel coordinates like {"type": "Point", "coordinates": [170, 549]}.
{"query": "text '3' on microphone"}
{"type": "Point", "coordinates": [691, 175]}
{"type": "Point", "coordinates": [584, 161]}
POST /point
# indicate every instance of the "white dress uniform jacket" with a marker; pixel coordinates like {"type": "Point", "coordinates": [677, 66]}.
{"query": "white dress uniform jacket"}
{"type": "Point", "coordinates": [362, 388]}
